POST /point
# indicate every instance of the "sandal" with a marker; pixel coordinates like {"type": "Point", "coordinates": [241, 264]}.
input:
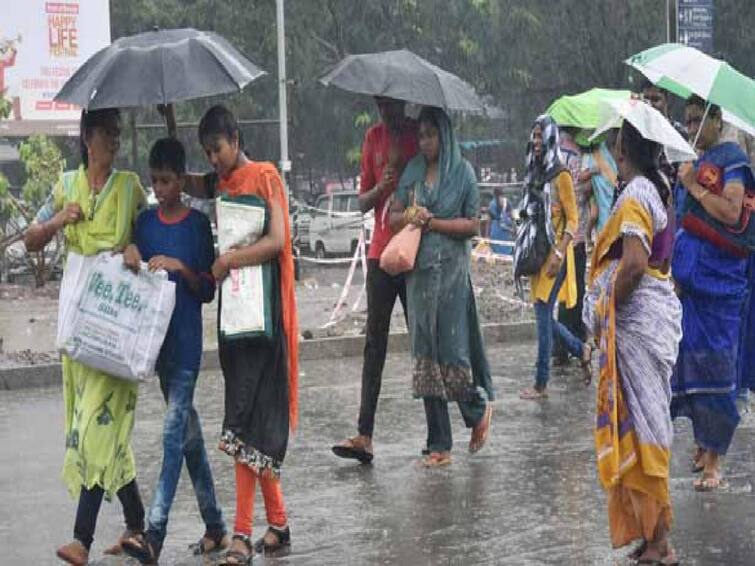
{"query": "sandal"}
{"type": "Point", "coordinates": [533, 394]}
{"type": "Point", "coordinates": [282, 541]}
{"type": "Point", "coordinates": [349, 448]}
{"type": "Point", "coordinates": [236, 557]}
{"type": "Point", "coordinates": [117, 548]}
{"type": "Point", "coordinates": [586, 364]}
{"type": "Point", "coordinates": [481, 431]}
{"type": "Point", "coordinates": [140, 546]}
{"type": "Point", "coordinates": [73, 553]}
{"type": "Point", "coordinates": [436, 460]}
{"type": "Point", "coordinates": [210, 543]}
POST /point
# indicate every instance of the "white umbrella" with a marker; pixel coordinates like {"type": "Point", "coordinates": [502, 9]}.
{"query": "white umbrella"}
{"type": "Point", "coordinates": [684, 70]}
{"type": "Point", "coordinates": [651, 124]}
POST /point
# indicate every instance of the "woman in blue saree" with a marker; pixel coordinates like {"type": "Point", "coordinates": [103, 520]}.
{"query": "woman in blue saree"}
{"type": "Point", "coordinates": [438, 192]}
{"type": "Point", "coordinates": [711, 276]}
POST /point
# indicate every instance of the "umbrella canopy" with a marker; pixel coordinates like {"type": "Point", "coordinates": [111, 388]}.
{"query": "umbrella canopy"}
{"type": "Point", "coordinates": [684, 70]}
{"type": "Point", "coordinates": [651, 124]}
{"type": "Point", "coordinates": [159, 67]}
{"type": "Point", "coordinates": [585, 110]}
{"type": "Point", "coordinates": [404, 76]}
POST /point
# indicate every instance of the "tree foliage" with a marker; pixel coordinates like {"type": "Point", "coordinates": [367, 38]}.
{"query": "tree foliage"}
{"type": "Point", "coordinates": [523, 54]}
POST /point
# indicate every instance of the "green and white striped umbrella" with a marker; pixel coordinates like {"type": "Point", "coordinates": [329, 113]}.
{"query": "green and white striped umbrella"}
{"type": "Point", "coordinates": [685, 70]}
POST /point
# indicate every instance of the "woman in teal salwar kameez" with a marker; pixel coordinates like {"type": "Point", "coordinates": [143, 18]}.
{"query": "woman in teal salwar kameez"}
{"type": "Point", "coordinates": [438, 192]}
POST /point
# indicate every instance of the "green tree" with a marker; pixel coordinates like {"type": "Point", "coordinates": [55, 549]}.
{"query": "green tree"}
{"type": "Point", "coordinates": [44, 164]}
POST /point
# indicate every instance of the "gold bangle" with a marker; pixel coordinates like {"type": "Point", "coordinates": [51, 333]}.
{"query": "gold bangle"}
{"type": "Point", "coordinates": [702, 195]}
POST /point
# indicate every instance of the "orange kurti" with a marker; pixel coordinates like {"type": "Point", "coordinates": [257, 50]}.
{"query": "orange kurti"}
{"type": "Point", "coordinates": [263, 180]}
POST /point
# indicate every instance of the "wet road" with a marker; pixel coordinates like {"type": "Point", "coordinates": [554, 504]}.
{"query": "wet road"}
{"type": "Point", "coordinates": [530, 497]}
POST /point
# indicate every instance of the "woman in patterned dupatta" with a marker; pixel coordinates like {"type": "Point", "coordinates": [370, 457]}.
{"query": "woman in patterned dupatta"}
{"type": "Point", "coordinates": [438, 191]}
{"type": "Point", "coordinates": [634, 314]}
{"type": "Point", "coordinates": [550, 181]}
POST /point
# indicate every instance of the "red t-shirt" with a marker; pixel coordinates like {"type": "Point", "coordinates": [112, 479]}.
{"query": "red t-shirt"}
{"type": "Point", "coordinates": [375, 152]}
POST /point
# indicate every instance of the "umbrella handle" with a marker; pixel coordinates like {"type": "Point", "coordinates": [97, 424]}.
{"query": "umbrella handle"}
{"type": "Point", "coordinates": [169, 112]}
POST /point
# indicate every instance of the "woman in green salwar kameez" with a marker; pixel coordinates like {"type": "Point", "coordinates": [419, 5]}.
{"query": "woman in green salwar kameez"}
{"type": "Point", "coordinates": [438, 192]}
{"type": "Point", "coordinates": [96, 207]}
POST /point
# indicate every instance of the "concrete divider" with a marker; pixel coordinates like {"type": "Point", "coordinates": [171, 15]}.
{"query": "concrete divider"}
{"type": "Point", "coordinates": [48, 375]}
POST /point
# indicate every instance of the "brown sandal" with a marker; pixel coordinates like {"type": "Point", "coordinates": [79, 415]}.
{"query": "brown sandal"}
{"type": "Point", "coordinates": [117, 548]}
{"type": "Point", "coordinates": [73, 553]}
{"type": "Point", "coordinates": [436, 460]}
{"type": "Point", "coordinates": [481, 431]}
{"type": "Point", "coordinates": [236, 557]}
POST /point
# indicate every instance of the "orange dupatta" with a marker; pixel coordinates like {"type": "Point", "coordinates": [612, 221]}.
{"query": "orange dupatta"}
{"type": "Point", "coordinates": [263, 180]}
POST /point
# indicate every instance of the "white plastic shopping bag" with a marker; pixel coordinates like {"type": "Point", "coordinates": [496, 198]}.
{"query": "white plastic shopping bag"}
{"type": "Point", "coordinates": [246, 302]}
{"type": "Point", "coordinates": [112, 319]}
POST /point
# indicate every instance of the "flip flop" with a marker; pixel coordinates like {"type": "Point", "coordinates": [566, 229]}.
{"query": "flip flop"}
{"type": "Point", "coordinates": [532, 394]}
{"type": "Point", "coordinates": [436, 460]}
{"type": "Point", "coordinates": [347, 449]}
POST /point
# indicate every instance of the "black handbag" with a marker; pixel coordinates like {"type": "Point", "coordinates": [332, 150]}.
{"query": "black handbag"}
{"type": "Point", "coordinates": [532, 247]}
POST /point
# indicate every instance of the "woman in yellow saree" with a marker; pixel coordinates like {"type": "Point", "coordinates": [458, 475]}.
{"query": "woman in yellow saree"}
{"type": "Point", "coordinates": [636, 318]}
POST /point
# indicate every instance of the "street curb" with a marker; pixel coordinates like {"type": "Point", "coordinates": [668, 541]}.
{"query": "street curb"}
{"type": "Point", "coordinates": [48, 375]}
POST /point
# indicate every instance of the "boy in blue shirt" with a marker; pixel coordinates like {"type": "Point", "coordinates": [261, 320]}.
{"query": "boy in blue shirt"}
{"type": "Point", "coordinates": [179, 240]}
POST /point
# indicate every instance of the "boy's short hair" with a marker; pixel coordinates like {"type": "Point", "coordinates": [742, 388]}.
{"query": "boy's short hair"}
{"type": "Point", "coordinates": [168, 153]}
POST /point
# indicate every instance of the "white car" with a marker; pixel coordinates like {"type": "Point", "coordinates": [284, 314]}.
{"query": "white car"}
{"type": "Point", "coordinates": [336, 224]}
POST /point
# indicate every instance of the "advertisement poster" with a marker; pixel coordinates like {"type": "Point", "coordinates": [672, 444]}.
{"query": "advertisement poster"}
{"type": "Point", "coordinates": [42, 43]}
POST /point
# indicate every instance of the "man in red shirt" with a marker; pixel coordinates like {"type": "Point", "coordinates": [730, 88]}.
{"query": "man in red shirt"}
{"type": "Point", "coordinates": [387, 148]}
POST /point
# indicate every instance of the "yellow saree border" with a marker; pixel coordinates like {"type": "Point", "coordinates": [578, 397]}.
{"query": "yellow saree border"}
{"type": "Point", "coordinates": [631, 212]}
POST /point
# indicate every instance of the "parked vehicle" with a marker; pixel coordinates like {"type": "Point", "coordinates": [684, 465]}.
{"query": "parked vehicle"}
{"type": "Point", "coordinates": [336, 224]}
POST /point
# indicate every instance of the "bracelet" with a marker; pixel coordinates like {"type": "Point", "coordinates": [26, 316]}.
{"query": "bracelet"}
{"type": "Point", "coordinates": [559, 254]}
{"type": "Point", "coordinates": [702, 195]}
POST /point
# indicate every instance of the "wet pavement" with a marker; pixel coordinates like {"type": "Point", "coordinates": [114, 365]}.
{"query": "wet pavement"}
{"type": "Point", "coordinates": [530, 497]}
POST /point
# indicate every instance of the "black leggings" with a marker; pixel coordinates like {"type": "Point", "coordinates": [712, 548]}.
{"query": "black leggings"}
{"type": "Point", "coordinates": [89, 507]}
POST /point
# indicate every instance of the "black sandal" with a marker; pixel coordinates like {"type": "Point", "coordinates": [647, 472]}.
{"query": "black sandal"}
{"type": "Point", "coordinates": [218, 540]}
{"type": "Point", "coordinates": [140, 546]}
{"type": "Point", "coordinates": [283, 541]}
{"type": "Point", "coordinates": [237, 556]}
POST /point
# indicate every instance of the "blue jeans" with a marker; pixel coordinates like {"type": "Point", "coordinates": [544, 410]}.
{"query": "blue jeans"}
{"type": "Point", "coordinates": [182, 439]}
{"type": "Point", "coordinates": [546, 327]}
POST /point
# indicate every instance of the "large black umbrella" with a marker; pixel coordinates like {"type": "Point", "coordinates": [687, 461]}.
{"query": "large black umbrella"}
{"type": "Point", "coordinates": [159, 67]}
{"type": "Point", "coordinates": [405, 76]}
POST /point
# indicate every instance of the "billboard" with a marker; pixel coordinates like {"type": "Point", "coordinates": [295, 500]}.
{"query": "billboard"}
{"type": "Point", "coordinates": [696, 24]}
{"type": "Point", "coordinates": [42, 43]}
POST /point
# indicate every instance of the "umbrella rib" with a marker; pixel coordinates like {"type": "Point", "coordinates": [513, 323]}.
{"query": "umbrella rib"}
{"type": "Point", "coordinates": [208, 41]}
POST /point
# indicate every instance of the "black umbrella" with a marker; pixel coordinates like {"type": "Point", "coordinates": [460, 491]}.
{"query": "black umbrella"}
{"type": "Point", "coordinates": [405, 76]}
{"type": "Point", "coordinates": [159, 67]}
